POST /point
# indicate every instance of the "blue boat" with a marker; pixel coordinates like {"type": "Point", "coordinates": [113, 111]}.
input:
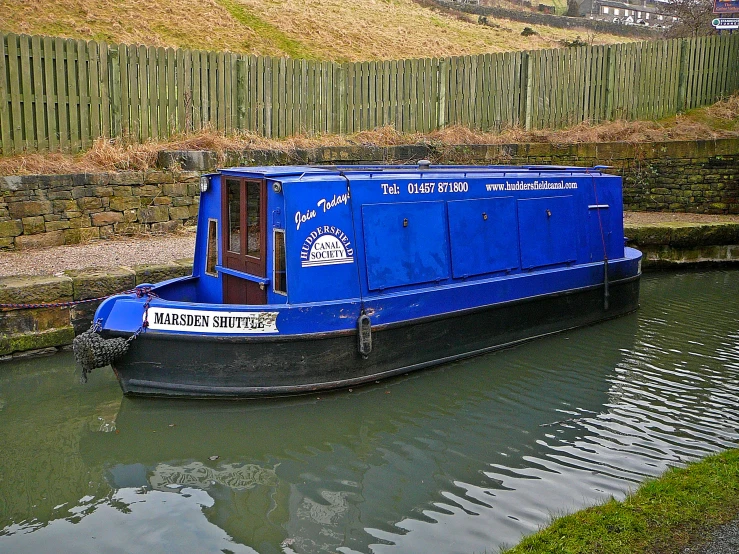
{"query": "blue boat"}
{"type": "Point", "coordinates": [319, 277]}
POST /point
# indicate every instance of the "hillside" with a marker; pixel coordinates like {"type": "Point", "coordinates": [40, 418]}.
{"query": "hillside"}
{"type": "Point", "coordinates": [336, 30]}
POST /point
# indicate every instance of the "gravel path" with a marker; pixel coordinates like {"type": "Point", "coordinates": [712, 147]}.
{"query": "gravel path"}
{"type": "Point", "coordinates": [127, 251]}
{"type": "Point", "coordinates": [130, 251]}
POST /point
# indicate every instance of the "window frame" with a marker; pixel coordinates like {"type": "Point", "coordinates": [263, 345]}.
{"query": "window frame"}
{"type": "Point", "coordinates": [276, 257]}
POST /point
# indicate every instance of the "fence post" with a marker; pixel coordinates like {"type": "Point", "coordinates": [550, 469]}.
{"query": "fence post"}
{"type": "Point", "coordinates": [610, 81]}
{"type": "Point", "coordinates": [682, 78]}
{"type": "Point", "coordinates": [114, 68]}
{"type": "Point", "coordinates": [527, 89]}
{"type": "Point", "coordinates": [342, 97]}
{"type": "Point", "coordinates": [240, 93]}
{"type": "Point", "coordinates": [443, 74]}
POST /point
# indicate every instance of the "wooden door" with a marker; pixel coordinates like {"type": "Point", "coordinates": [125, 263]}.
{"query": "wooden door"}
{"type": "Point", "coordinates": [244, 225]}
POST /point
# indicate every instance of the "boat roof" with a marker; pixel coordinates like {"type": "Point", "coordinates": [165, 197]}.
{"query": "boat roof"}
{"type": "Point", "coordinates": [300, 171]}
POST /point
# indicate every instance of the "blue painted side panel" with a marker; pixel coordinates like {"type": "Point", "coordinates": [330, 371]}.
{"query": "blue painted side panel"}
{"type": "Point", "coordinates": [321, 256]}
{"type": "Point", "coordinates": [484, 235]}
{"type": "Point", "coordinates": [405, 243]}
{"type": "Point", "coordinates": [547, 226]}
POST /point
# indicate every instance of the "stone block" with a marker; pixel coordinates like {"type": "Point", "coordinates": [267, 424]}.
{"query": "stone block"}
{"type": "Point", "coordinates": [122, 203]}
{"type": "Point", "coordinates": [11, 228]}
{"type": "Point", "coordinates": [197, 160]}
{"type": "Point", "coordinates": [166, 227]}
{"type": "Point", "coordinates": [185, 262]}
{"type": "Point", "coordinates": [102, 191]}
{"type": "Point", "coordinates": [35, 289]}
{"type": "Point", "coordinates": [29, 208]}
{"type": "Point", "coordinates": [181, 201]}
{"type": "Point", "coordinates": [126, 178]}
{"type": "Point", "coordinates": [158, 177]}
{"type": "Point", "coordinates": [162, 201]}
{"type": "Point", "coordinates": [106, 232]}
{"type": "Point", "coordinates": [98, 282]}
{"type": "Point", "coordinates": [44, 240]}
{"type": "Point", "coordinates": [61, 206]}
{"type": "Point", "coordinates": [155, 273]}
{"type": "Point", "coordinates": [7, 243]}
{"type": "Point", "coordinates": [88, 203]}
{"type": "Point", "coordinates": [122, 190]}
{"type": "Point", "coordinates": [154, 214]}
{"type": "Point", "coordinates": [179, 213]}
{"type": "Point", "coordinates": [147, 190]}
{"type": "Point", "coordinates": [57, 225]}
{"type": "Point", "coordinates": [15, 322]}
{"type": "Point", "coordinates": [174, 189]}
{"type": "Point", "coordinates": [648, 235]}
{"type": "Point", "coordinates": [33, 225]}
{"type": "Point", "coordinates": [105, 218]}
{"type": "Point", "coordinates": [36, 340]}
{"type": "Point", "coordinates": [79, 222]}
{"type": "Point", "coordinates": [81, 235]}
{"type": "Point", "coordinates": [129, 216]}
{"type": "Point", "coordinates": [129, 228]}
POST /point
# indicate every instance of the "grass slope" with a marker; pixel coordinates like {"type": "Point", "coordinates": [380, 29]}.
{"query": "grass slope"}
{"type": "Point", "coordinates": [337, 30]}
{"type": "Point", "coordinates": [663, 516]}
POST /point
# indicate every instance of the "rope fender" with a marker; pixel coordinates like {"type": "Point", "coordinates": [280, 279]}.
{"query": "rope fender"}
{"type": "Point", "coordinates": [92, 351]}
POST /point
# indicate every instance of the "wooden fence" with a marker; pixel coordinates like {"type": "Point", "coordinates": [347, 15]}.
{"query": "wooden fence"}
{"type": "Point", "coordinates": [61, 94]}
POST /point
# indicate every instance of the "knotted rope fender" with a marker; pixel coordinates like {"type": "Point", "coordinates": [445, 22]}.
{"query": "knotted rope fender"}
{"type": "Point", "coordinates": [92, 351]}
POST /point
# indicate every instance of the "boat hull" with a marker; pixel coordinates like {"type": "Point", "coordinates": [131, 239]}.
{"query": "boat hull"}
{"type": "Point", "coordinates": [165, 364]}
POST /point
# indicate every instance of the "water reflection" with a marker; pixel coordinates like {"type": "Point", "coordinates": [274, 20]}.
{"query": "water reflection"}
{"type": "Point", "coordinates": [457, 459]}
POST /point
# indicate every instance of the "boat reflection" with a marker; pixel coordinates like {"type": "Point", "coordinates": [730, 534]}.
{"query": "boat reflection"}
{"type": "Point", "coordinates": [345, 469]}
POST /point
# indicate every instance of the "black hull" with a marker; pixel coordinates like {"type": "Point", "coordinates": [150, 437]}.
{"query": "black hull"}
{"type": "Point", "coordinates": [202, 366]}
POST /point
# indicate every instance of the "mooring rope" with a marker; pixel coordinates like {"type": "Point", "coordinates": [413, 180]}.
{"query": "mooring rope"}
{"type": "Point", "coordinates": [139, 291]}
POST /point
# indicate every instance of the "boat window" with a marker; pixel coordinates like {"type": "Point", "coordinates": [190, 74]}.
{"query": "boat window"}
{"type": "Point", "coordinates": [234, 215]}
{"type": "Point", "coordinates": [253, 222]}
{"type": "Point", "coordinates": [280, 266]}
{"type": "Point", "coordinates": [211, 257]}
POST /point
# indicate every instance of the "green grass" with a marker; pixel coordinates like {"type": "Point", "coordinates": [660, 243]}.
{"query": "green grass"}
{"type": "Point", "coordinates": [289, 46]}
{"type": "Point", "coordinates": [662, 516]}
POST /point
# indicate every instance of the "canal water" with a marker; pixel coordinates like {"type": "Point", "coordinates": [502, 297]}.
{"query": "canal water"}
{"type": "Point", "coordinates": [464, 458]}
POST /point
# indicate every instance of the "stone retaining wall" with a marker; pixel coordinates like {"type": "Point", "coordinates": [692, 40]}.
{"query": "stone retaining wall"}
{"type": "Point", "coordinates": [45, 329]}
{"type": "Point", "coordinates": [49, 210]}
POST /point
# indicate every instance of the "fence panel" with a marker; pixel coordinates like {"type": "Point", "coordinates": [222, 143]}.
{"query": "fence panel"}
{"type": "Point", "coordinates": [62, 94]}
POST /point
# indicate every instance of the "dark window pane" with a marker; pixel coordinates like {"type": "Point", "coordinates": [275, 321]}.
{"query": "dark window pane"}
{"type": "Point", "coordinates": [234, 215]}
{"type": "Point", "coordinates": [253, 220]}
{"type": "Point", "coordinates": [280, 276]}
{"type": "Point", "coordinates": [211, 257]}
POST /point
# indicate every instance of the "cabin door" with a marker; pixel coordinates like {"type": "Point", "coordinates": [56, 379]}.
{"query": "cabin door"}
{"type": "Point", "coordinates": [244, 236]}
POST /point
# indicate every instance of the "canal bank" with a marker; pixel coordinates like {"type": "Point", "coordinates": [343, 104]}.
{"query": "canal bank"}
{"type": "Point", "coordinates": [691, 509]}
{"type": "Point", "coordinates": [49, 295]}
{"type": "Point", "coordinates": [463, 458]}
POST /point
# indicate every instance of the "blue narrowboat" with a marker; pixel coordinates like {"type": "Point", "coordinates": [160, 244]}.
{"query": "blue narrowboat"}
{"type": "Point", "coordinates": [319, 277]}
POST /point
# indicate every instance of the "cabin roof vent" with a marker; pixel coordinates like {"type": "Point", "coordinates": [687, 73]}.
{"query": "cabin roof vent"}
{"type": "Point", "coordinates": [424, 164]}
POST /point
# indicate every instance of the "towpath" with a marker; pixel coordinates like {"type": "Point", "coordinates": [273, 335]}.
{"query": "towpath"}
{"type": "Point", "coordinates": [129, 251]}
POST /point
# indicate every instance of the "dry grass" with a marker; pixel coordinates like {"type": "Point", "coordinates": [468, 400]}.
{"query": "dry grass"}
{"type": "Point", "coordinates": [320, 29]}
{"type": "Point", "coordinates": [717, 121]}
